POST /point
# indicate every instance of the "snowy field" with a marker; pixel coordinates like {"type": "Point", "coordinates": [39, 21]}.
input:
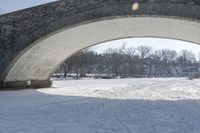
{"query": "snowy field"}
{"type": "Point", "coordinates": [104, 106]}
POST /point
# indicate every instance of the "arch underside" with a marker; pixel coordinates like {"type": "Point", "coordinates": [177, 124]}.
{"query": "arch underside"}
{"type": "Point", "coordinates": [40, 61]}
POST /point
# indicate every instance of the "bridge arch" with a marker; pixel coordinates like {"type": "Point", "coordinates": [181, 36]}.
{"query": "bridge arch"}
{"type": "Point", "coordinates": [38, 57]}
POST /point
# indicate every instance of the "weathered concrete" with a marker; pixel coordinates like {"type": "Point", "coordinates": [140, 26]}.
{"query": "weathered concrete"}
{"type": "Point", "coordinates": [40, 61]}
{"type": "Point", "coordinates": [22, 32]}
{"type": "Point", "coordinates": [26, 84]}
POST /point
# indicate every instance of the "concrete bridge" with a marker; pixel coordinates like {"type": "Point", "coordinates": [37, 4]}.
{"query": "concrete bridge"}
{"type": "Point", "coordinates": [35, 41]}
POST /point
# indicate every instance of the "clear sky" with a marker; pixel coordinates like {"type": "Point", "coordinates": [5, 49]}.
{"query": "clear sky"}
{"type": "Point", "coordinates": [7, 6]}
{"type": "Point", "coordinates": [13, 5]}
{"type": "Point", "coordinates": [156, 43]}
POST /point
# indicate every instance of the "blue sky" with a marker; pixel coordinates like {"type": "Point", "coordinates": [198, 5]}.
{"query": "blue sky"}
{"type": "Point", "coordinates": [157, 43]}
{"type": "Point", "coordinates": [7, 6]}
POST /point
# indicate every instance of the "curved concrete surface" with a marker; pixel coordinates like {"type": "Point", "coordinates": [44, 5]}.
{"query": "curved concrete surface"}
{"type": "Point", "coordinates": [65, 26]}
{"type": "Point", "coordinates": [40, 61]}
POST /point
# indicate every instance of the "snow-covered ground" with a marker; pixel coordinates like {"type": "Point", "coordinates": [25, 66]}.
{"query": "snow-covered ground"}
{"type": "Point", "coordinates": [104, 106]}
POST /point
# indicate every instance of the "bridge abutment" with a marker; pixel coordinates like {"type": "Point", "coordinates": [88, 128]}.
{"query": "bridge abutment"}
{"type": "Point", "coordinates": [34, 41]}
{"type": "Point", "coordinates": [25, 84]}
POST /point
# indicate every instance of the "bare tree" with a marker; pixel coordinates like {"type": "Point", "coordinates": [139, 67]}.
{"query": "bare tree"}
{"type": "Point", "coordinates": [156, 61]}
{"type": "Point", "coordinates": [142, 60]}
{"type": "Point", "coordinates": [131, 59]}
{"type": "Point", "coordinates": [143, 51]}
{"type": "Point", "coordinates": [168, 56]}
{"type": "Point", "coordinates": [116, 58]}
{"type": "Point", "coordinates": [198, 57]}
{"type": "Point", "coordinates": [186, 57]}
{"type": "Point", "coordinates": [131, 52]}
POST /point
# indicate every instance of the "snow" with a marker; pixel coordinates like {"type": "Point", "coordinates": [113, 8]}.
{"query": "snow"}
{"type": "Point", "coordinates": [167, 105]}
{"type": "Point", "coordinates": [141, 88]}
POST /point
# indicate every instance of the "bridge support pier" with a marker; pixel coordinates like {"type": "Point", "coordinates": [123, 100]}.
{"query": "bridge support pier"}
{"type": "Point", "coordinates": [25, 84]}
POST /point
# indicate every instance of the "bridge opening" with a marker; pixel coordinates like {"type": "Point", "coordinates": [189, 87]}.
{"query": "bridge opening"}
{"type": "Point", "coordinates": [35, 41]}
{"type": "Point", "coordinates": [34, 66]}
{"type": "Point", "coordinates": [133, 58]}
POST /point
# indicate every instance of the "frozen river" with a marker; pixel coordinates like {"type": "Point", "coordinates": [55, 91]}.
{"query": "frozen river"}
{"type": "Point", "coordinates": [165, 105]}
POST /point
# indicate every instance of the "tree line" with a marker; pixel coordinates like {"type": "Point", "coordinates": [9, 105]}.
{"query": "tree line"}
{"type": "Point", "coordinates": [141, 61]}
